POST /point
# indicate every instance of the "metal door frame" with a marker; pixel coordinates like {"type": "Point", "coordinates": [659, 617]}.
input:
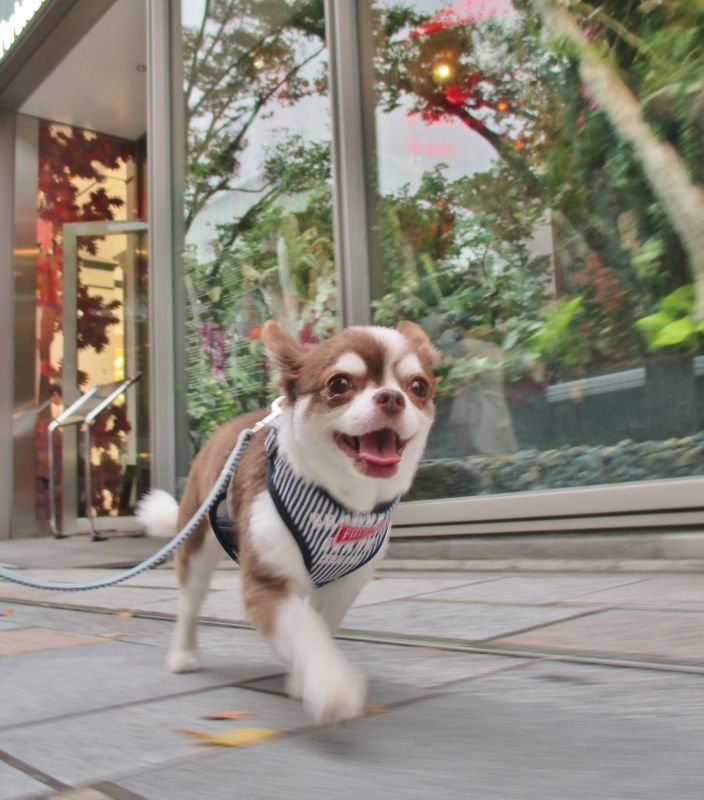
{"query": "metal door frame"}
{"type": "Point", "coordinates": [72, 231]}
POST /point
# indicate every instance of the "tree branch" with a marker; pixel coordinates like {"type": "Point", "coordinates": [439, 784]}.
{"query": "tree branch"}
{"type": "Point", "coordinates": [197, 45]}
{"type": "Point", "coordinates": [202, 197]}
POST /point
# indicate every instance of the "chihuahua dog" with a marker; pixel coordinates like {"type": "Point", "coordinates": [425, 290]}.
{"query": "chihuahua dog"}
{"type": "Point", "coordinates": [311, 500]}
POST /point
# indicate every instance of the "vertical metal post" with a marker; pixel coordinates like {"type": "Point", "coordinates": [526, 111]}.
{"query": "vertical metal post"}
{"type": "Point", "coordinates": [7, 317]}
{"type": "Point", "coordinates": [25, 466]}
{"type": "Point", "coordinates": [179, 145]}
{"type": "Point", "coordinates": [350, 222]}
{"type": "Point", "coordinates": [53, 522]}
{"type": "Point", "coordinates": [86, 429]}
{"type": "Point", "coordinates": [69, 373]}
{"type": "Point", "coordinates": [161, 255]}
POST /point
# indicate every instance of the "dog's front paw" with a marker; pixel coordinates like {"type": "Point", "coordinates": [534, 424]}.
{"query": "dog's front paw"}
{"type": "Point", "coordinates": [335, 694]}
{"type": "Point", "coordinates": [182, 661]}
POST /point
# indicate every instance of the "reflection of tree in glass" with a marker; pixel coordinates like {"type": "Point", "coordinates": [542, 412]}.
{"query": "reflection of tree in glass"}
{"type": "Point", "coordinates": [281, 266]}
{"type": "Point", "coordinates": [243, 59]}
{"type": "Point", "coordinates": [615, 223]}
{"type": "Point", "coordinates": [621, 240]}
{"type": "Point", "coordinates": [69, 160]}
{"type": "Point", "coordinates": [243, 63]}
{"type": "Point", "coordinates": [659, 48]}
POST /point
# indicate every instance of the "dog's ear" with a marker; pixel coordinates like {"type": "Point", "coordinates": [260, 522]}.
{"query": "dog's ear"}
{"type": "Point", "coordinates": [414, 333]}
{"type": "Point", "coordinates": [284, 353]}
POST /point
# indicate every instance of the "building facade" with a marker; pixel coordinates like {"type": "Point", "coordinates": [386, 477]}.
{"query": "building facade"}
{"type": "Point", "coordinates": [172, 174]}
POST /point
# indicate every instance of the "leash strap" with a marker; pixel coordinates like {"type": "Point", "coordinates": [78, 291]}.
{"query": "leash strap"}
{"type": "Point", "coordinates": [223, 527]}
{"type": "Point", "coordinates": [161, 555]}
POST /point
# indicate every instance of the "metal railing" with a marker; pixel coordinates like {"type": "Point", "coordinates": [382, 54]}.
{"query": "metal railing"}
{"type": "Point", "coordinates": [83, 413]}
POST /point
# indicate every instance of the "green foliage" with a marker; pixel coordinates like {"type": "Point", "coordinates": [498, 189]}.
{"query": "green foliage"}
{"type": "Point", "coordinates": [447, 266]}
{"type": "Point", "coordinates": [673, 324]}
{"type": "Point", "coordinates": [559, 340]}
{"type": "Point", "coordinates": [214, 398]}
{"type": "Point", "coordinates": [280, 265]}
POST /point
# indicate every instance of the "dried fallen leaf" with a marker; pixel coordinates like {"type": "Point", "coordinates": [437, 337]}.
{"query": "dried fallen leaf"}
{"type": "Point", "coordinates": [228, 715]}
{"type": "Point", "coordinates": [236, 737]}
{"type": "Point", "coordinates": [375, 710]}
{"type": "Point", "coordinates": [111, 635]}
{"type": "Point", "coordinates": [7, 612]}
{"type": "Point", "coordinates": [124, 614]}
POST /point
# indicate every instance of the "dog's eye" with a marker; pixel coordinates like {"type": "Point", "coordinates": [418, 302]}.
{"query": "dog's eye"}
{"type": "Point", "coordinates": [339, 384]}
{"type": "Point", "coordinates": [419, 387]}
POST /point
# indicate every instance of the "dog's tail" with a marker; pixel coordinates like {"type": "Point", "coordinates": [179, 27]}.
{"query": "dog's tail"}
{"type": "Point", "coordinates": [158, 512]}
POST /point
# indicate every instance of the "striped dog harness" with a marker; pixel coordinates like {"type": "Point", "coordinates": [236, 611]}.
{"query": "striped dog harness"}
{"type": "Point", "coordinates": [333, 540]}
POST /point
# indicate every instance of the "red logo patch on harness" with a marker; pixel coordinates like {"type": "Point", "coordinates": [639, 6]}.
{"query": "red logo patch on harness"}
{"type": "Point", "coordinates": [353, 533]}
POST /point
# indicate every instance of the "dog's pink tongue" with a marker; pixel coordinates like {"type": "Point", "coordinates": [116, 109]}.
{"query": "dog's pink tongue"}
{"type": "Point", "coordinates": [379, 447]}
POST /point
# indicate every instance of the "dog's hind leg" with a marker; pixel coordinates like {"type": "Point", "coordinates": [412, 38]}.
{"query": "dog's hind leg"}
{"type": "Point", "coordinates": [195, 562]}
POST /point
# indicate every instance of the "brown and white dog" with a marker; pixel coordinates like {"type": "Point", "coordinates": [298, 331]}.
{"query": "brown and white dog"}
{"type": "Point", "coordinates": [357, 413]}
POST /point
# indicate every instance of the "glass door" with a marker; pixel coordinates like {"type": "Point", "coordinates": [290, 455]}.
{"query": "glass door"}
{"type": "Point", "coordinates": [105, 342]}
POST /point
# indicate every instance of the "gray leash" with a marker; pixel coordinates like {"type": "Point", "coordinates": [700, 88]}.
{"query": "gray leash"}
{"type": "Point", "coordinates": [161, 555]}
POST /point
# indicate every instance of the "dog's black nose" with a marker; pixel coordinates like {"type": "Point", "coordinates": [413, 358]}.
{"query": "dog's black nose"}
{"type": "Point", "coordinates": [390, 401]}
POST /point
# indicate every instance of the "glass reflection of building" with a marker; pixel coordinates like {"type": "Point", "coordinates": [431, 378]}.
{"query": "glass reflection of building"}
{"type": "Point", "coordinates": [285, 167]}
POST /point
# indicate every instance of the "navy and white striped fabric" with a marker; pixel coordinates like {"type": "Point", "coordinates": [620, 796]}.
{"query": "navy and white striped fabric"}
{"type": "Point", "coordinates": [333, 540]}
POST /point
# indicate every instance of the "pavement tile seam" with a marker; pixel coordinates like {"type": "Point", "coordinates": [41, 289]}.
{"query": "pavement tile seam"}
{"type": "Point", "coordinates": [524, 664]}
{"type": "Point", "coordinates": [572, 596]}
{"type": "Point", "coordinates": [160, 616]}
{"type": "Point", "coordinates": [70, 794]}
{"type": "Point", "coordinates": [622, 660]}
{"type": "Point", "coordinates": [201, 753]}
{"type": "Point", "coordinates": [107, 610]}
{"type": "Point", "coordinates": [133, 703]}
{"type": "Point", "coordinates": [632, 582]}
{"type": "Point", "coordinates": [116, 792]}
{"type": "Point", "coordinates": [571, 603]}
{"type": "Point", "coordinates": [124, 636]}
{"type": "Point", "coordinates": [15, 642]}
{"type": "Point", "coordinates": [500, 603]}
{"type": "Point", "coordinates": [420, 595]}
{"type": "Point", "coordinates": [32, 771]}
{"type": "Point", "coordinates": [209, 751]}
{"type": "Point", "coordinates": [627, 607]}
{"type": "Point", "coordinates": [105, 790]}
{"type": "Point", "coordinates": [540, 625]}
{"type": "Point", "coordinates": [503, 635]}
{"type": "Point", "coordinates": [480, 646]}
{"type": "Point", "coordinates": [347, 634]}
{"type": "Point", "coordinates": [489, 647]}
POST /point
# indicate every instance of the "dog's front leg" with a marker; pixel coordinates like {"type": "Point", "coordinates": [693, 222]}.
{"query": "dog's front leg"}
{"type": "Point", "coordinates": [327, 684]}
{"type": "Point", "coordinates": [320, 676]}
{"type": "Point", "coordinates": [332, 600]}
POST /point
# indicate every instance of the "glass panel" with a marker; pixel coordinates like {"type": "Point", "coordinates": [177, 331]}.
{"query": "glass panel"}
{"type": "Point", "coordinates": [112, 346]}
{"type": "Point", "coordinates": [258, 211]}
{"type": "Point", "coordinates": [540, 207]}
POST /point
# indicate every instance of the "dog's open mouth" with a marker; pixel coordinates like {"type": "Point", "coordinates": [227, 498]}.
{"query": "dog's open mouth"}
{"type": "Point", "coordinates": [377, 452]}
